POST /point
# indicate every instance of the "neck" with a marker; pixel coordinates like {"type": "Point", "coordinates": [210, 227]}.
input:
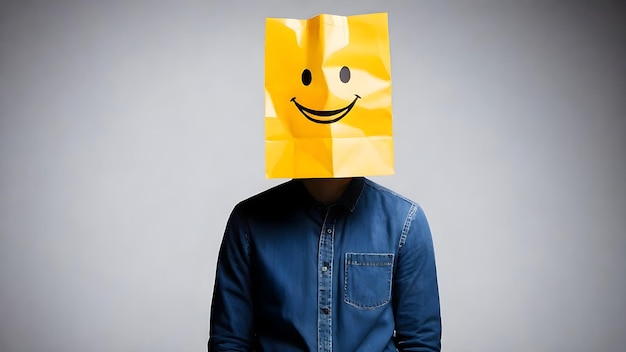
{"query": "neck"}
{"type": "Point", "coordinates": [326, 190]}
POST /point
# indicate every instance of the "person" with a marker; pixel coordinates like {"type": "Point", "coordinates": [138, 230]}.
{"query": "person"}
{"type": "Point", "coordinates": [326, 265]}
{"type": "Point", "coordinates": [330, 260]}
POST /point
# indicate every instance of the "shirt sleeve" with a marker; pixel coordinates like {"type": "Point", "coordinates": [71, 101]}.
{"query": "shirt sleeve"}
{"type": "Point", "coordinates": [416, 293]}
{"type": "Point", "coordinates": [231, 322]}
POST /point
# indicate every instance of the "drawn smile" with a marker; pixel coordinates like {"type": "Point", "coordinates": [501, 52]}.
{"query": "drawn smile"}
{"type": "Point", "coordinates": [327, 116]}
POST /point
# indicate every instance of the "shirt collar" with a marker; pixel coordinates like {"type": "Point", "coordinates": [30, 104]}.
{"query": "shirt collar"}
{"type": "Point", "coordinates": [351, 195]}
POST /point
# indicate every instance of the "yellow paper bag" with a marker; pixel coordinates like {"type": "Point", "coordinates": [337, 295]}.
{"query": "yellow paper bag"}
{"type": "Point", "coordinates": [328, 97]}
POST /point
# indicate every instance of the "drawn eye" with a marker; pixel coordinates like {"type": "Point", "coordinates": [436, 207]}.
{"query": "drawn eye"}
{"type": "Point", "coordinates": [344, 74]}
{"type": "Point", "coordinates": [306, 77]}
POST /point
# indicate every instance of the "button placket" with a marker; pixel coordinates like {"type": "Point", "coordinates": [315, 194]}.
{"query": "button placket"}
{"type": "Point", "coordinates": [324, 293]}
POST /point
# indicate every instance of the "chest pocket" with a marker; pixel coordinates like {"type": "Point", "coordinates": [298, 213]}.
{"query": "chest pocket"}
{"type": "Point", "coordinates": [368, 279]}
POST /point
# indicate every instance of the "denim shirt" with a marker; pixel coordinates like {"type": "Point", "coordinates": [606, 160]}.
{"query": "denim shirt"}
{"type": "Point", "coordinates": [295, 275]}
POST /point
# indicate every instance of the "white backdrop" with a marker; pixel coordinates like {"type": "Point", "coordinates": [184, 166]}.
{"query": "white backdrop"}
{"type": "Point", "coordinates": [129, 129]}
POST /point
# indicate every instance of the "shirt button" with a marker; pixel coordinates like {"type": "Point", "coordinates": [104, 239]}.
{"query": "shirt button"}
{"type": "Point", "coordinates": [329, 230]}
{"type": "Point", "coordinates": [325, 310]}
{"type": "Point", "coordinates": [324, 268]}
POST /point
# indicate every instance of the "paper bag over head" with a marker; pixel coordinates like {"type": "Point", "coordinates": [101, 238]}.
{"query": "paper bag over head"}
{"type": "Point", "coordinates": [328, 97]}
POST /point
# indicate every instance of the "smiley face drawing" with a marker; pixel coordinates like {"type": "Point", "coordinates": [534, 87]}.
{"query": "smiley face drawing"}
{"type": "Point", "coordinates": [325, 116]}
{"type": "Point", "coordinates": [328, 97]}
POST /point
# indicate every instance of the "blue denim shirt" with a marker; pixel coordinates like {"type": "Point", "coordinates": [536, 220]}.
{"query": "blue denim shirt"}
{"type": "Point", "coordinates": [294, 275]}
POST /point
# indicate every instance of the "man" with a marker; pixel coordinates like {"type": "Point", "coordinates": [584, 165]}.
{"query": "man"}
{"type": "Point", "coordinates": [329, 261]}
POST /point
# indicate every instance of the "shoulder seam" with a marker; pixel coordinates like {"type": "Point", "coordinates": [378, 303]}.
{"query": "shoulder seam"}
{"type": "Point", "coordinates": [239, 211]}
{"type": "Point", "coordinates": [406, 227]}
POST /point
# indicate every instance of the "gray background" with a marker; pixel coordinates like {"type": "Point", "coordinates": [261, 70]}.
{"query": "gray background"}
{"type": "Point", "coordinates": [129, 129]}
